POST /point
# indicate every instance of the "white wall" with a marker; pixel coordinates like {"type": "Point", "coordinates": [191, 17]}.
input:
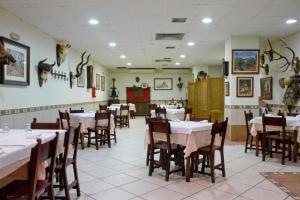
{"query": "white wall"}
{"type": "Point", "coordinates": [124, 80]}
{"type": "Point", "coordinates": [212, 71]}
{"type": "Point", "coordinates": [54, 91]}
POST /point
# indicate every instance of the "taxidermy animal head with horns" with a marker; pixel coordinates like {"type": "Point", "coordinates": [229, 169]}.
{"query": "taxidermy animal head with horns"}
{"type": "Point", "coordinates": [43, 70]}
{"type": "Point", "coordinates": [5, 57]}
{"type": "Point", "coordinates": [61, 52]}
{"type": "Point", "coordinates": [79, 68]}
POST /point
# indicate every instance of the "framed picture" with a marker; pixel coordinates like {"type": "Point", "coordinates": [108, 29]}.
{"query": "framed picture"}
{"type": "Point", "coordinates": [163, 83]}
{"type": "Point", "coordinates": [98, 81]}
{"type": "Point", "coordinates": [266, 88]}
{"type": "Point", "coordinates": [227, 90]}
{"type": "Point", "coordinates": [102, 83]}
{"type": "Point", "coordinates": [17, 73]}
{"type": "Point", "coordinates": [144, 85]}
{"type": "Point", "coordinates": [244, 86]}
{"type": "Point", "coordinates": [245, 61]}
{"type": "Point", "coordinates": [81, 79]}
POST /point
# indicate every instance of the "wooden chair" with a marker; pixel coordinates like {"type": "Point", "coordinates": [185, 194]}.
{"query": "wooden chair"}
{"type": "Point", "coordinates": [123, 117]}
{"type": "Point", "coordinates": [198, 119]}
{"type": "Point", "coordinates": [81, 110]}
{"type": "Point", "coordinates": [103, 108]}
{"type": "Point", "coordinates": [161, 112]}
{"type": "Point", "coordinates": [208, 152]}
{"type": "Point", "coordinates": [168, 151]}
{"type": "Point", "coordinates": [132, 114]}
{"type": "Point", "coordinates": [45, 125]}
{"type": "Point", "coordinates": [71, 140]}
{"type": "Point", "coordinates": [33, 188]}
{"type": "Point", "coordinates": [187, 112]}
{"type": "Point", "coordinates": [248, 117]}
{"type": "Point", "coordinates": [284, 138]}
{"type": "Point", "coordinates": [102, 132]}
{"type": "Point", "coordinates": [114, 135]}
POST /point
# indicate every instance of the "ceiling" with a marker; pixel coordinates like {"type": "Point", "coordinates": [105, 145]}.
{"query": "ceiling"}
{"type": "Point", "coordinates": [132, 24]}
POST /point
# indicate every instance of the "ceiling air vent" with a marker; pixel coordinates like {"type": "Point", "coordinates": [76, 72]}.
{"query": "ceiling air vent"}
{"type": "Point", "coordinates": [121, 67]}
{"type": "Point", "coordinates": [169, 36]}
{"type": "Point", "coordinates": [170, 47]}
{"type": "Point", "coordinates": [162, 60]}
{"type": "Point", "coordinates": [178, 20]}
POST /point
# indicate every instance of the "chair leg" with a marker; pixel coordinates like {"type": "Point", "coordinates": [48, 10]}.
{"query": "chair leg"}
{"type": "Point", "coordinates": [115, 136]}
{"type": "Point", "coordinates": [251, 141]}
{"type": "Point", "coordinates": [76, 178]}
{"type": "Point", "coordinates": [50, 192]}
{"type": "Point", "coordinates": [168, 160]}
{"type": "Point", "coordinates": [222, 163]}
{"type": "Point", "coordinates": [108, 138]}
{"type": "Point", "coordinates": [66, 184]}
{"type": "Point", "coordinates": [151, 161]}
{"type": "Point", "coordinates": [263, 148]}
{"type": "Point", "coordinates": [212, 167]}
{"type": "Point", "coordinates": [283, 154]}
{"type": "Point", "coordinates": [89, 138]}
{"type": "Point", "coordinates": [203, 164]}
{"type": "Point", "coordinates": [246, 145]}
{"type": "Point", "coordinates": [148, 155]}
{"type": "Point", "coordinates": [97, 139]}
{"type": "Point", "coordinates": [290, 150]}
{"type": "Point", "coordinates": [82, 140]}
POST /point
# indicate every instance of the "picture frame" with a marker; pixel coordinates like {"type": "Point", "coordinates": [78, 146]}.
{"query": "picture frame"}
{"type": "Point", "coordinates": [17, 73]}
{"type": "Point", "coordinates": [98, 77]}
{"type": "Point", "coordinates": [102, 83]}
{"type": "Point", "coordinates": [144, 85]}
{"type": "Point", "coordinates": [227, 89]}
{"type": "Point", "coordinates": [163, 83]}
{"type": "Point", "coordinates": [81, 79]}
{"type": "Point", "coordinates": [244, 86]}
{"type": "Point", "coordinates": [266, 88]}
{"type": "Point", "coordinates": [245, 61]}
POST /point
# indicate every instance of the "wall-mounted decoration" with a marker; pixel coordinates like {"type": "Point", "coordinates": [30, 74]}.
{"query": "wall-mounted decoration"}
{"type": "Point", "coordinates": [227, 89]}
{"type": "Point", "coordinates": [114, 93]}
{"type": "Point", "coordinates": [244, 86]}
{"type": "Point", "coordinates": [102, 83]}
{"type": "Point", "coordinates": [5, 57]}
{"type": "Point", "coordinates": [15, 67]}
{"type": "Point", "coordinates": [81, 79]}
{"type": "Point", "coordinates": [245, 61]}
{"type": "Point", "coordinates": [89, 76]}
{"type": "Point", "coordinates": [266, 88]}
{"type": "Point", "coordinates": [144, 85]}
{"type": "Point", "coordinates": [61, 52]}
{"type": "Point", "coordinates": [59, 75]}
{"type": "Point", "coordinates": [137, 79]}
{"type": "Point", "coordinates": [98, 81]}
{"type": "Point", "coordinates": [79, 68]}
{"type": "Point", "coordinates": [201, 75]}
{"type": "Point", "coordinates": [43, 70]}
{"type": "Point", "coordinates": [179, 84]}
{"type": "Point", "coordinates": [163, 83]}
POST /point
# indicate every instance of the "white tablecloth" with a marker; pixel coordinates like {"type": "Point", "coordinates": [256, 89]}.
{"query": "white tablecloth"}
{"type": "Point", "coordinates": [170, 106]}
{"type": "Point", "coordinates": [292, 123]}
{"type": "Point", "coordinates": [172, 114]}
{"type": "Point", "coordinates": [87, 120]}
{"type": "Point", "coordinates": [191, 134]}
{"type": "Point", "coordinates": [118, 106]}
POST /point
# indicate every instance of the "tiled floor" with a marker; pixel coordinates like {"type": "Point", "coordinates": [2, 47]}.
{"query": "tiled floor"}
{"type": "Point", "coordinates": [120, 173]}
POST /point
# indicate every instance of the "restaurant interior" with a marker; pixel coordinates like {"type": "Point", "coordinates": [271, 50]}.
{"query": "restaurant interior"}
{"type": "Point", "coordinates": [149, 99]}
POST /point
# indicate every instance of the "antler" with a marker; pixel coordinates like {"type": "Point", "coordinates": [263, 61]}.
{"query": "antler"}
{"type": "Point", "coordinates": [81, 64]}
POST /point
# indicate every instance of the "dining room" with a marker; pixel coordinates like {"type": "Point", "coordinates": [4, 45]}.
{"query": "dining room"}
{"type": "Point", "coordinates": [149, 100]}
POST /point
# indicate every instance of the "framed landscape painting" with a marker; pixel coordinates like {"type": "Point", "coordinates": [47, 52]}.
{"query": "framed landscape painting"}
{"type": "Point", "coordinates": [102, 83]}
{"type": "Point", "coordinates": [163, 83]}
{"type": "Point", "coordinates": [244, 86]}
{"type": "Point", "coordinates": [245, 61]}
{"type": "Point", "coordinates": [266, 88]}
{"type": "Point", "coordinates": [81, 79]}
{"type": "Point", "coordinates": [98, 81]}
{"type": "Point", "coordinates": [17, 73]}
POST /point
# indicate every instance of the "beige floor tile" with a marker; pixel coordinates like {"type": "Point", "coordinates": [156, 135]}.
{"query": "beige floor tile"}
{"type": "Point", "coordinates": [119, 179]}
{"type": "Point", "coordinates": [185, 188]}
{"type": "Point", "coordinates": [262, 194]}
{"type": "Point", "coordinates": [213, 194]}
{"type": "Point", "coordinates": [163, 193]}
{"type": "Point", "coordinates": [94, 186]}
{"type": "Point", "coordinates": [139, 187]}
{"type": "Point", "coordinates": [113, 194]}
{"type": "Point", "coordinates": [232, 187]}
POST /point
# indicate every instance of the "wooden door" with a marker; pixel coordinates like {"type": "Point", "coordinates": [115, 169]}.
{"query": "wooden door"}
{"type": "Point", "coordinates": [191, 95]}
{"type": "Point", "coordinates": [140, 97]}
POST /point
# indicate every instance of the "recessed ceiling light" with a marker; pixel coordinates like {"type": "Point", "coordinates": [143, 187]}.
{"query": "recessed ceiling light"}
{"type": "Point", "coordinates": [112, 44]}
{"type": "Point", "coordinates": [182, 56]}
{"type": "Point", "coordinates": [129, 64]}
{"type": "Point", "coordinates": [178, 63]}
{"type": "Point", "coordinates": [93, 22]}
{"type": "Point", "coordinates": [291, 21]}
{"type": "Point", "coordinates": [206, 20]}
{"type": "Point", "coordinates": [122, 56]}
{"type": "Point", "coordinates": [190, 44]}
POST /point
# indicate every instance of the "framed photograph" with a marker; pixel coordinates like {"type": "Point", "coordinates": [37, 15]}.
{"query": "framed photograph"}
{"type": "Point", "coordinates": [98, 81]}
{"type": "Point", "coordinates": [245, 61]}
{"type": "Point", "coordinates": [17, 73]}
{"type": "Point", "coordinates": [244, 86]}
{"type": "Point", "coordinates": [227, 89]}
{"type": "Point", "coordinates": [266, 88]}
{"type": "Point", "coordinates": [102, 83]}
{"type": "Point", "coordinates": [144, 85]}
{"type": "Point", "coordinates": [81, 79]}
{"type": "Point", "coordinates": [163, 83]}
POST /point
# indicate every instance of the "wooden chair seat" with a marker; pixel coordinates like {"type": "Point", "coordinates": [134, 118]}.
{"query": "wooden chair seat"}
{"type": "Point", "coordinates": [207, 148]}
{"type": "Point", "coordinates": [164, 145]}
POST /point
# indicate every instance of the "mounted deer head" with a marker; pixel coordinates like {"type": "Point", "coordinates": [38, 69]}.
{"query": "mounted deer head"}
{"type": "Point", "coordinates": [61, 52]}
{"type": "Point", "coordinates": [43, 70]}
{"type": "Point", "coordinates": [5, 57]}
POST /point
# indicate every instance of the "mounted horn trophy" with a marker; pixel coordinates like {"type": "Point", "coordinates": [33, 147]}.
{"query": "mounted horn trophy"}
{"type": "Point", "coordinates": [43, 71]}
{"type": "Point", "coordinates": [79, 68]}
{"type": "Point", "coordinates": [5, 57]}
{"type": "Point", "coordinates": [61, 52]}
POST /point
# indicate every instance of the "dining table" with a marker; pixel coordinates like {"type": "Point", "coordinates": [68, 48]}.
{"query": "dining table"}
{"type": "Point", "coordinates": [15, 151]}
{"type": "Point", "coordinates": [172, 113]}
{"type": "Point", "coordinates": [190, 134]}
{"type": "Point", "coordinates": [118, 106]}
{"type": "Point", "coordinates": [292, 123]}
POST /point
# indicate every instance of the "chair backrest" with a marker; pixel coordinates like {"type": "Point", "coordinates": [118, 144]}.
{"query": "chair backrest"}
{"type": "Point", "coordinates": [218, 128]}
{"type": "Point", "coordinates": [187, 112]}
{"type": "Point", "coordinates": [103, 108]}
{"type": "Point", "coordinates": [279, 113]}
{"type": "Point", "coordinates": [64, 120]}
{"type": "Point", "coordinates": [292, 114]}
{"type": "Point", "coordinates": [152, 106]}
{"type": "Point", "coordinates": [40, 153]}
{"type": "Point", "coordinates": [148, 119]}
{"type": "Point", "coordinates": [102, 116]}
{"type": "Point", "coordinates": [161, 112]}
{"type": "Point", "coordinates": [124, 110]}
{"type": "Point", "coordinates": [45, 125]}
{"type": "Point", "coordinates": [198, 119]}
{"type": "Point", "coordinates": [161, 127]}
{"type": "Point", "coordinates": [273, 121]}
{"type": "Point", "coordinates": [77, 111]}
{"type": "Point", "coordinates": [248, 117]}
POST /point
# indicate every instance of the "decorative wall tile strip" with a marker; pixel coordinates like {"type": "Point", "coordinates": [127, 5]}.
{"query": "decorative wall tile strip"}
{"type": "Point", "coordinates": [241, 107]}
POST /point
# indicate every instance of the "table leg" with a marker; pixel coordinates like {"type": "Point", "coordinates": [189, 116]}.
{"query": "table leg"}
{"type": "Point", "coordinates": [295, 146]}
{"type": "Point", "coordinates": [187, 169]}
{"type": "Point", "coordinates": [256, 144]}
{"type": "Point", "coordinates": [82, 140]}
